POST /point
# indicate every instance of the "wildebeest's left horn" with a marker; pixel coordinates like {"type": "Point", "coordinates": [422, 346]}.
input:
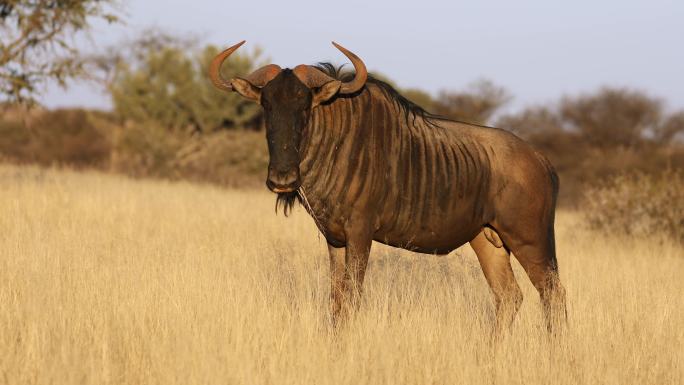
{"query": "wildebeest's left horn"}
{"type": "Point", "coordinates": [361, 73]}
{"type": "Point", "coordinates": [258, 78]}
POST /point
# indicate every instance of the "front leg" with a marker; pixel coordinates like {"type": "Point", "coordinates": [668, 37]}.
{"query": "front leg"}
{"type": "Point", "coordinates": [348, 268]}
{"type": "Point", "coordinates": [338, 281]}
{"type": "Point", "coordinates": [359, 240]}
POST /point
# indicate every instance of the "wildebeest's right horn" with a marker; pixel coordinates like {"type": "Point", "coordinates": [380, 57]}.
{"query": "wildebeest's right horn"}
{"type": "Point", "coordinates": [215, 68]}
{"type": "Point", "coordinates": [258, 78]}
{"type": "Point", "coordinates": [361, 73]}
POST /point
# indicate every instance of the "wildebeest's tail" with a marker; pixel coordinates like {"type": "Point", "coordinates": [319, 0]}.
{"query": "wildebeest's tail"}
{"type": "Point", "coordinates": [551, 210]}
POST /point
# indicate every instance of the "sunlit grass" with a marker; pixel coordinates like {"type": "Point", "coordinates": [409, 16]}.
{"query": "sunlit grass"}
{"type": "Point", "coordinates": [106, 280]}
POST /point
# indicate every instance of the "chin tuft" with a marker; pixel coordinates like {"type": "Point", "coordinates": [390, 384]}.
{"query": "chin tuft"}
{"type": "Point", "coordinates": [287, 201]}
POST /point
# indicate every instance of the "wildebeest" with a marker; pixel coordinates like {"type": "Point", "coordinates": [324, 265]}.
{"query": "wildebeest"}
{"type": "Point", "coordinates": [368, 164]}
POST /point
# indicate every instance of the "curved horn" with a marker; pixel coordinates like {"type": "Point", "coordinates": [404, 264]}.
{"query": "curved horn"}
{"type": "Point", "coordinates": [215, 68]}
{"type": "Point", "coordinates": [361, 72]}
{"type": "Point", "coordinates": [258, 78]}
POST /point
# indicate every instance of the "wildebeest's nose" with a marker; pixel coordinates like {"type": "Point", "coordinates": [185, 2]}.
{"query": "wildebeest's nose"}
{"type": "Point", "coordinates": [283, 181]}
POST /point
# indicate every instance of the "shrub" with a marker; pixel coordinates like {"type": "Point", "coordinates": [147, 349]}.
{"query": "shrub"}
{"type": "Point", "coordinates": [66, 137]}
{"type": "Point", "coordinates": [235, 158]}
{"type": "Point", "coordinates": [638, 204]}
{"type": "Point", "coordinates": [145, 150]}
{"type": "Point", "coordinates": [163, 79]}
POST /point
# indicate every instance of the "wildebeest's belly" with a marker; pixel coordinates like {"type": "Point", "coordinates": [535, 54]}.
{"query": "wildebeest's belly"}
{"type": "Point", "coordinates": [435, 232]}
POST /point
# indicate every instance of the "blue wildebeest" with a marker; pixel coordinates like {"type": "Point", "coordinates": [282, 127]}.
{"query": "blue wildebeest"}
{"type": "Point", "coordinates": [368, 164]}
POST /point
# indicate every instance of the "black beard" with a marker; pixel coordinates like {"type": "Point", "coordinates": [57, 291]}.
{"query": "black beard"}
{"type": "Point", "coordinates": [287, 200]}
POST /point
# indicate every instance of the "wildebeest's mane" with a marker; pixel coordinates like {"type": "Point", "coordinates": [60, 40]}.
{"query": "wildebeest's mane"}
{"type": "Point", "coordinates": [409, 108]}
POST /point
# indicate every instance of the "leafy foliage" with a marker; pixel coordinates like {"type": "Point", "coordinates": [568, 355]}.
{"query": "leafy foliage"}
{"type": "Point", "coordinates": [162, 79]}
{"type": "Point", "coordinates": [37, 45]}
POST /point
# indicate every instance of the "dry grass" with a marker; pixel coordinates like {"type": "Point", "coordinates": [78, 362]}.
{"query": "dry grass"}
{"type": "Point", "coordinates": [104, 280]}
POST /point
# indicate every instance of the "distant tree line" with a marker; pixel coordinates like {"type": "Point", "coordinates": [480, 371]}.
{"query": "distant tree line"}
{"type": "Point", "coordinates": [169, 121]}
{"type": "Point", "coordinates": [163, 79]}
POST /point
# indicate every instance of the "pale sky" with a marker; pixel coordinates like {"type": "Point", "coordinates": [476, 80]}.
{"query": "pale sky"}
{"type": "Point", "coordinates": [537, 49]}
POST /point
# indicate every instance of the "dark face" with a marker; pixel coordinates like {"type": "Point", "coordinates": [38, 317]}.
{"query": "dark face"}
{"type": "Point", "coordinates": [288, 96]}
{"type": "Point", "coordinates": [287, 106]}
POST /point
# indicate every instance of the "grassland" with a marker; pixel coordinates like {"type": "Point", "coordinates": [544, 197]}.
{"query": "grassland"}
{"type": "Point", "coordinates": [106, 280]}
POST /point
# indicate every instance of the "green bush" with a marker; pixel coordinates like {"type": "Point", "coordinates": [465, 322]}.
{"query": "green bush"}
{"type": "Point", "coordinates": [163, 79]}
{"type": "Point", "coordinates": [638, 204]}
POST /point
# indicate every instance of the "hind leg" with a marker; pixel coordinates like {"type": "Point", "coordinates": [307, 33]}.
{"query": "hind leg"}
{"type": "Point", "coordinates": [539, 261]}
{"type": "Point", "coordinates": [496, 266]}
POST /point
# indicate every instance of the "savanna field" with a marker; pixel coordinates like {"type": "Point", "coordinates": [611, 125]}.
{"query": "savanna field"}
{"type": "Point", "coordinates": [109, 280]}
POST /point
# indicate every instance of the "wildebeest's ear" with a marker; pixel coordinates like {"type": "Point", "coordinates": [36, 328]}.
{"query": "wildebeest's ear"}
{"type": "Point", "coordinates": [246, 89]}
{"type": "Point", "coordinates": [325, 92]}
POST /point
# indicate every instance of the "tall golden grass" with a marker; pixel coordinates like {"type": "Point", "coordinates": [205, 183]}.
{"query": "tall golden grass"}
{"type": "Point", "coordinates": [106, 280]}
